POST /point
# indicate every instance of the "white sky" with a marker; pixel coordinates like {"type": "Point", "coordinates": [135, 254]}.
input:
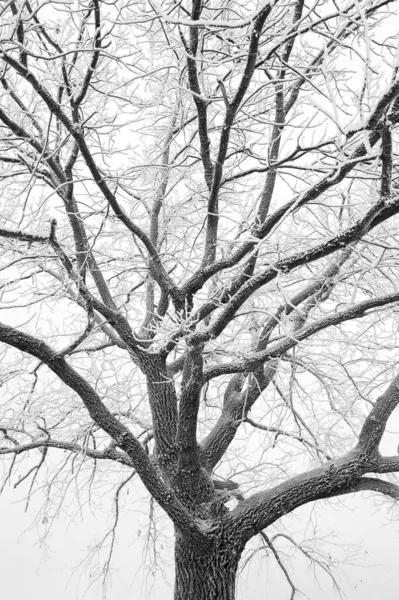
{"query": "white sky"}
{"type": "Point", "coordinates": [29, 571]}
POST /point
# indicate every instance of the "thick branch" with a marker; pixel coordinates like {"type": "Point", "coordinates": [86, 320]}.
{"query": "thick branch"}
{"type": "Point", "coordinates": [321, 285]}
{"type": "Point", "coordinates": [374, 426]}
{"type": "Point", "coordinates": [192, 380]}
{"type": "Point", "coordinates": [264, 508]}
{"type": "Point", "coordinates": [236, 407]}
{"type": "Point", "coordinates": [116, 430]}
{"type": "Point", "coordinates": [337, 477]}
{"type": "Point", "coordinates": [163, 404]}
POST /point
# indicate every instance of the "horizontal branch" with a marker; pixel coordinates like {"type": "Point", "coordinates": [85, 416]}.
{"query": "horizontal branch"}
{"type": "Point", "coordinates": [200, 23]}
{"type": "Point", "coordinates": [24, 237]}
{"type": "Point", "coordinates": [264, 508]}
{"type": "Point", "coordinates": [373, 484]}
{"type": "Point", "coordinates": [83, 450]}
{"type": "Point", "coordinates": [385, 464]}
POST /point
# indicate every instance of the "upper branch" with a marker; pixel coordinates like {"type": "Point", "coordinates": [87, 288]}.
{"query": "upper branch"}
{"type": "Point", "coordinates": [256, 359]}
{"type": "Point", "coordinates": [317, 289]}
{"type": "Point", "coordinates": [386, 105]}
{"type": "Point", "coordinates": [200, 102]}
{"type": "Point", "coordinates": [94, 60]}
{"type": "Point", "coordinates": [232, 108]}
{"type": "Point", "coordinates": [157, 270]}
{"type": "Point", "coordinates": [382, 210]}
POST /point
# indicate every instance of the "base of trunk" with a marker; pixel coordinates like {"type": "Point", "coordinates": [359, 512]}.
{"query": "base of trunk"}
{"type": "Point", "coordinates": [209, 576]}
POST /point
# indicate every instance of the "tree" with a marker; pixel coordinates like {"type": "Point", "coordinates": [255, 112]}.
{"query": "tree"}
{"type": "Point", "coordinates": [199, 236]}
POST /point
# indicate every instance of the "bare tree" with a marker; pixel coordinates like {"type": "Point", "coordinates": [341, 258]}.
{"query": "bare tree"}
{"type": "Point", "coordinates": [199, 258]}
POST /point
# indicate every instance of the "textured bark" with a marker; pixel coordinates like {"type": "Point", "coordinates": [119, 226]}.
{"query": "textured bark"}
{"type": "Point", "coordinates": [206, 576]}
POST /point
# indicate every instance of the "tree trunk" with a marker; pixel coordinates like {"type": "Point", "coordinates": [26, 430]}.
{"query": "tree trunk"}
{"type": "Point", "coordinates": [201, 575]}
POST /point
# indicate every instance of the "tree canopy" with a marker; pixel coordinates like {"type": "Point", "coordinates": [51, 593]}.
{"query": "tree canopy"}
{"type": "Point", "coordinates": [199, 241]}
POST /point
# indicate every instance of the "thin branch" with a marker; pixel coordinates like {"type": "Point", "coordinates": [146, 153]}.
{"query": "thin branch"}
{"type": "Point", "coordinates": [280, 563]}
{"type": "Point", "coordinates": [256, 359]}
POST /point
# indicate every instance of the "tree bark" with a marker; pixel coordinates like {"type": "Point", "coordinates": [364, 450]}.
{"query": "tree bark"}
{"type": "Point", "coordinates": [209, 575]}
